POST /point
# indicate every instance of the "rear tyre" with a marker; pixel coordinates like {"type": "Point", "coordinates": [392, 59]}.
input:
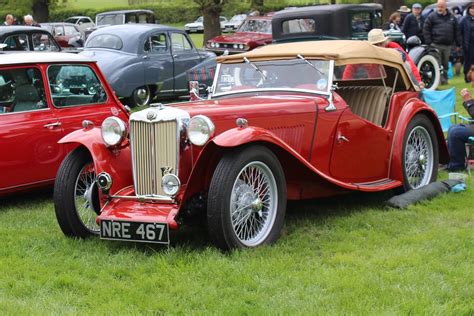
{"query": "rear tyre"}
{"type": "Point", "coordinates": [76, 195]}
{"type": "Point", "coordinates": [429, 71]}
{"type": "Point", "coordinates": [247, 199]}
{"type": "Point", "coordinates": [141, 96]}
{"type": "Point", "coordinates": [420, 153]}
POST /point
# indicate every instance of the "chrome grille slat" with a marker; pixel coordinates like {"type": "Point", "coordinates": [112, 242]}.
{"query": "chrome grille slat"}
{"type": "Point", "coordinates": [154, 146]}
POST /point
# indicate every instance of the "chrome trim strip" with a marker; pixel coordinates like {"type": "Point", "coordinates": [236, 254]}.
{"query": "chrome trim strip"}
{"type": "Point", "coordinates": [161, 198]}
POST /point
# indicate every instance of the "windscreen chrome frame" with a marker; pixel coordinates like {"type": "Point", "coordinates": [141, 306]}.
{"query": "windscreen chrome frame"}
{"type": "Point", "coordinates": [325, 93]}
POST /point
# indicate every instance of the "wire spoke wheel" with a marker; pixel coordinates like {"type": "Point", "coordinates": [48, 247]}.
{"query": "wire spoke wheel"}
{"type": "Point", "coordinates": [253, 203]}
{"type": "Point", "coordinates": [85, 192]}
{"type": "Point", "coordinates": [419, 157]}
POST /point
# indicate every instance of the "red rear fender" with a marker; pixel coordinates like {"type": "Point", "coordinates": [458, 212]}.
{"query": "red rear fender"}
{"type": "Point", "coordinates": [115, 162]}
{"type": "Point", "coordinates": [408, 112]}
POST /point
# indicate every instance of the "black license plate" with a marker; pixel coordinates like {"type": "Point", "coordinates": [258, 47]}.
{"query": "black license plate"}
{"type": "Point", "coordinates": [135, 231]}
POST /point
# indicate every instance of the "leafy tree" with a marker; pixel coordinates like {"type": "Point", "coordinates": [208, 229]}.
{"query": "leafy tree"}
{"type": "Point", "coordinates": [211, 11]}
{"type": "Point", "coordinates": [390, 6]}
{"type": "Point", "coordinates": [39, 8]}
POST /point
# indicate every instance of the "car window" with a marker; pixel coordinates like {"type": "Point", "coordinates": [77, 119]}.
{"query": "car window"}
{"type": "Point", "coordinates": [75, 85]}
{"type": "Point", "coordinates": [156, 44]}
{"type": "Point", "coordinates": [256, 26]}
{"type": "Point", "coordinates": [58, 30]}
{"type": "Point", "coordinates": [222, 19]}
{"type": "Point", "coordinates": [16, 42]}
{"type": "Point", "coordinates": [142, 18]}
{"type": "Point", "coordinates": [44, 42]}
{"type": "Point", "coordinates": [179, 42]}
{"type": "Point", "coordinates": [71, 20]}
{"type": "Point", "coordinates": [105, 41]}
{"type": "Point", "coordinates": [70, 30]}
{"type": "Point", "coordinates": [360, 22]}
{"type": "Point", "coordinates": [21, 90]}
{"type": "Point", "coordinates": [298, 26]}
{"type": "Point", "coordinates": [110, 19]}
{"type": "Point", "coordinates": [131, 18]}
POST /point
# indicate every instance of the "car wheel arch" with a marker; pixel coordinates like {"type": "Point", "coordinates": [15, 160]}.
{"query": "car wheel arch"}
{"type": "Point", "coordinates": [396, 171]}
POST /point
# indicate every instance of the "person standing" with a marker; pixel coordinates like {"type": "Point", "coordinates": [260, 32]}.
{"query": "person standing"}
{"type": "Point", "coordinates": [442, 32]}
{"type": "Point", "coordinates": [393, 22]}
{"type": "Point", "coordinates": [28, 19]}
{"type": "Point", "coordinates": [404, 10]}
{"type": "Point", "coordinates": [467, 31]}
{"type": "Point", "coordinates": [413, 23]}
{"type": "Point", "coordinates": [8, 20]}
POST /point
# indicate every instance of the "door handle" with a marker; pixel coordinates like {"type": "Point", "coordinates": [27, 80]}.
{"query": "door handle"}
{"type": "Point", "coordinates": [342, 138]}
{"type": "Point", "coordinates": [52, 125]}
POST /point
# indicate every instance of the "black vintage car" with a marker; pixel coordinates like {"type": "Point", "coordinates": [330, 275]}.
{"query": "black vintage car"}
{"type": "Point", "coordinates": [349, 21]}
{"type": "Point", "coordinates": [27, 38]}
{"type": "Point", "coordinates": [338, 21]}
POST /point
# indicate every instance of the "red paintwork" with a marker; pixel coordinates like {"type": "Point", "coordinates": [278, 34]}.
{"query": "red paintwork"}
{"type": "Point", "coordinates": [303, 136]}
{"type": "Point", "coordinates": [30, 152]}
{"type": "Point", "coordinates": [127, 210]}
{"type": "Point", "coordinates": [250, 39]}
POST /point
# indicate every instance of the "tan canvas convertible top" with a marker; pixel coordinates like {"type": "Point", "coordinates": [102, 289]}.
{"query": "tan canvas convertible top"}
{"type": "Point", "coordinates": [341, 51]}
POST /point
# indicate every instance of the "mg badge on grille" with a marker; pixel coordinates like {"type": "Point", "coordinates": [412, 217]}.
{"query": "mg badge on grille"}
{"type": "Point", "coordinates": [151, 115]}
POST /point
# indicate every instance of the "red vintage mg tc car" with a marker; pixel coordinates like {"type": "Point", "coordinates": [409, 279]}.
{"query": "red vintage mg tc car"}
{"type": "Point", "coordinates": [284, 122]}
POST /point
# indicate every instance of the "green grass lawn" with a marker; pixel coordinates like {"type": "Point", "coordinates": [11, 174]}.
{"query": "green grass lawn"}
{"type": "Point", "coordinates": [344, 255]}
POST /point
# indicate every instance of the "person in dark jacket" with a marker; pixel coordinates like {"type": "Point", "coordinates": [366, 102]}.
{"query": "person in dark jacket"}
{"type": "Point", "coordinates": [467, 31]}
{"type": "Point", "coordinates": [458, 134]}
{"type": "Point", "coordinates": [393, 22]}
{"type": "Point", "coordinates": [413, 23]}
{"type": "Point", "coordinates": [442, 32]}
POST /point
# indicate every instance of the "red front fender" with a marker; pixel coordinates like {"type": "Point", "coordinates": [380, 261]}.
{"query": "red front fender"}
{"type": "Point", "coordinates": [410, 109]}
{"type": "Point", "coordinates": [116, 162]}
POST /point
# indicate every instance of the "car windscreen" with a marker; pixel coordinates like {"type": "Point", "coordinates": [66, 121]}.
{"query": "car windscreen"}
{"type": "Point", "coordinates": [256, 26]}
{"type": "Point", "coordinates": [72, 20]}
{"type": "Point", "coordinates": [237, 18]}
{"type": "Point", "coordinates": [105, 41]}
{"type": "Point", "coordinates": [110, 19]}
{"type": "Point", "coordinates": [308, 75]}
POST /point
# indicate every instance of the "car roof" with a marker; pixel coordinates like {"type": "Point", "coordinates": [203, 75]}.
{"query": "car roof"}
{"type": "Point", "coordinates": [40, 57]}
{"type": "Point", "coordinates": [125, 11]}
{"type": "Point", "coordinates": [21, 28]}
{"type": "Point", "coordinates": [57, 23]}
{"type": "Point", "coordinates": [326, 9]}
{"type": "Point", "coordinates": [78, 17]}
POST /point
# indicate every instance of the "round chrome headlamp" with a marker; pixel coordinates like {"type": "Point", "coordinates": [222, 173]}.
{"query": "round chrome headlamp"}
{"type": "Point", "coordinates": [241, 46]}
{"type": "Point", "coordinates": [170, 184]}
{"type": "Point", "coordinates": [200, 129]}
{"type": "Point", "coordinates": [114, 131]}
{"type": "Point", "coordinates": [236, 46]}
{"type": "Point", "coordinates": [218, 45]}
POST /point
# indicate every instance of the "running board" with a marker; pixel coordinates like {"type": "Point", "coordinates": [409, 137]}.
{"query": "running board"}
{"type": "Point", "coordinates": [383, 184]}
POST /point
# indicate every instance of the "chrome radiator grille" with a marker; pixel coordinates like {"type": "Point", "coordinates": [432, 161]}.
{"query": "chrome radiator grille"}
{"type": "Point", "coordinates": [154, 150]}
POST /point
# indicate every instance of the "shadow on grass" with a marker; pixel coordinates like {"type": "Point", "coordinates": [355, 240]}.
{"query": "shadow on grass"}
{"type": "Point", "coordinates": [26, 199]}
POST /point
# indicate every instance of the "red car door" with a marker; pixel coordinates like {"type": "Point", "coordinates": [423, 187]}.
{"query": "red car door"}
{"type": "Point", "coordinates": [29, 130]}
{"type": "Point", "coordinates": [78, 93]}
{"type": "Point", "coordinates": [361, 150]}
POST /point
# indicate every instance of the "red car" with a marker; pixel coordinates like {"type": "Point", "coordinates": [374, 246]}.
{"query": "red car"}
{"type": "Point", "coordinates": [66, 34]}
{"type": "Point", "coordinates": [254, 32]}
{"type": "Point", "coordinates": [43, 97]}
{"type": "Point", "coordinates": [284, 122]}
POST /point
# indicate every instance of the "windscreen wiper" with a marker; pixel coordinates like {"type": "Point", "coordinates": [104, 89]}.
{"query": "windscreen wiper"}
{"type": "Point", "coordinates": [309, 63]}
{"type": "Point", "coordinates": [256, 68]}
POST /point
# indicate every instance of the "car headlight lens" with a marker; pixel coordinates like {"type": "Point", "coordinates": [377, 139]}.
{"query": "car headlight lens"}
{"type": "Point", "coordinates": [217, 45]}
{"type": "Point", "coordinates": [170, 184]}
{"type": "Point", "coordinates": [114, 131]}
{"type": "Point", "coordinates": [241, 46]}
{"type": "Point", "coordinates": [236, 46]}
{"type": "Point", "coordinates": [200, 130]}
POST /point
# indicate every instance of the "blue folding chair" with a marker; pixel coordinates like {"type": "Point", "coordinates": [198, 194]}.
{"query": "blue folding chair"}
{"type": "Point", "coordinates": [443, 102]}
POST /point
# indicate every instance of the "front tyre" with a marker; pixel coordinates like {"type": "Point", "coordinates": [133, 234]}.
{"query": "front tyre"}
{"type": "Point", "coordinates": [420, 153]}
{"type": "Point", "coordinates": [247, 199]}
{"type": "Point", "coordinates": [429, 71]}
{"type": "Point", "coordinates": [76, 196]}
{"type": "Point", "coordinates": [141, 96]}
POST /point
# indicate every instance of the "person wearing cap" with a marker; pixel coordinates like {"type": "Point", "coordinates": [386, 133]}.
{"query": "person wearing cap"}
{"type": "Point", "coordinates": [441, 31]}
{"type": "Point", "coordinates": [404, 11]}
{"type": "Point", "coordinates": [377, 37]}
{"type": "Point", "coordinates": [413, 23]}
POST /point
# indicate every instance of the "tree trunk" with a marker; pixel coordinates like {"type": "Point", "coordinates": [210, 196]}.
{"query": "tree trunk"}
{"type": "Point", "coordinates": [256, 5]}
{"type": "Point", "coordinates": [41, 10]}
{"type": "Point", "coordinates": [390, 6]}
{"type": "Point", "coordinates": [212, 25]}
